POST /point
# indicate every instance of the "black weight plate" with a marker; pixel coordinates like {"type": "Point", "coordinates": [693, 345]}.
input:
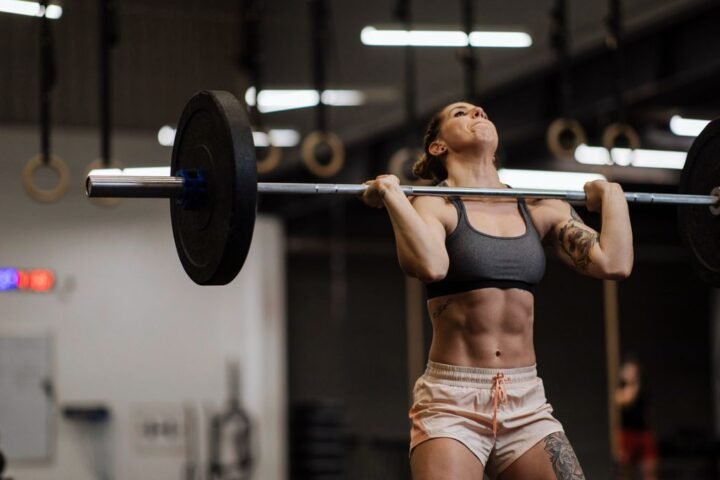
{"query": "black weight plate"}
{"type": "Point", "coordinates": [213, 238]}
{"type": "Point", "coordinates": [699, 228]}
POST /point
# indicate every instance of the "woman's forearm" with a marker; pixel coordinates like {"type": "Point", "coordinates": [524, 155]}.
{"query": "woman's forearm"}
{"type": "Point", "coordinates": [420, 246]}
{"type": "Point", "coordinates": [616, 241]}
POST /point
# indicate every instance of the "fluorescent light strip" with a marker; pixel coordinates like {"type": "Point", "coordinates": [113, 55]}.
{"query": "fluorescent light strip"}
{"type": "Point", "coordinates": [687, 127]}
{"type": "Point", "coordinates": [443, 38]}
{"type": "Point", "coordinates": [278, 100]}
{"type": "Point", "coordinates": [279, 137]}
{"type": "Point", "coordinates": [544, 179]}
{"type": "Point", "coordinates": [633, 158]}
{"type": "Point", "coordinates": [500, 39]}
{"type": "Point", "coordinates": [31, 9]}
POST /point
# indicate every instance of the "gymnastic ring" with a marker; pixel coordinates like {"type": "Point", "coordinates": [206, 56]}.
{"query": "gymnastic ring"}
{"type": "Point", "coordinates": [558, 130]}
{"type": "Point", "coordinates": [616, 130]}
{"type": "Point", "coordinates": [102, 202]}
{"type": "Point", "coordinates": [272, 157]}
{"type": "Point", "coordinates": [50, 195]}
{"type": "Point", "coordinates": [398, 166]}
{"type": "Point", "coordinates": [337, 160]}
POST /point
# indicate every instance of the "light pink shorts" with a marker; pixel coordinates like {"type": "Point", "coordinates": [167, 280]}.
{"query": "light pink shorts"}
{"type": "Point", "coordinates": [497, 414]}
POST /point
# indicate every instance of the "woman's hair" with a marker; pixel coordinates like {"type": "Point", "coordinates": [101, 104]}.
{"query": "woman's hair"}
{"type": "Point", "coordinates": [429, 166]}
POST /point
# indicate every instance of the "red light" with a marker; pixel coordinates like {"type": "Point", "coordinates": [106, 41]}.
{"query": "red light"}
{"type": "Point", "coordinates": [41, 280]}
{"type": "Point", "coordinates": [23, 279]}
{"type": "Point", "coordinates": [37, 280]}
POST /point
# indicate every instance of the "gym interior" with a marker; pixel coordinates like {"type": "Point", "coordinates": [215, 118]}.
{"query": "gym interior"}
{"type": "Point", "coordinates": [116, 364]}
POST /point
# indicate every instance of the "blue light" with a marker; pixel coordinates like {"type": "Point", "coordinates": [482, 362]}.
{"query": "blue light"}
{"type": "Point", "coordinates": [8, 279]}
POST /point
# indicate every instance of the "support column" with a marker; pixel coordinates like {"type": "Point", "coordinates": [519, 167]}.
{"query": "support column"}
{"type": "Point", "coordinates": [612, 347]}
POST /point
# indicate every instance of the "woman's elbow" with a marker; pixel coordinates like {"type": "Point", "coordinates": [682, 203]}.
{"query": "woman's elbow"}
{"type": "Point", "coordinates": [426, 273]}
{"type": "Point", "coordinates": [430, 276]}
{"type": "Point", "coordinates": [620, 271]}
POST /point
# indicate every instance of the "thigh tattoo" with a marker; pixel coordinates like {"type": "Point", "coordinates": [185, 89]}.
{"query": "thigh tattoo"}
{"type": "Point", "coordinates": [564, 462]}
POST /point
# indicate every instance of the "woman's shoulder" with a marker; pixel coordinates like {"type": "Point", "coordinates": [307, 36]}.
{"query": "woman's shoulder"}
{"type": "Point", "coordinates": [547, 212]}
{"type": "Point", "coordinates": [548, 207]}
{"type": "Point", "coordinates": [440, 208]}
{"type": "Point", "coordinates": [431, 203]}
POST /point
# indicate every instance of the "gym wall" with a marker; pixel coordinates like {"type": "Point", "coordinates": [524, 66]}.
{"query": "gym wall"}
{"type": "Point", "coordinates": [129, 330]}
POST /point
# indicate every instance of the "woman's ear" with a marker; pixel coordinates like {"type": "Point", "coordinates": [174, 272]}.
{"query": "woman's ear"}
{"type": "Point", "coordinates": [437, 148]}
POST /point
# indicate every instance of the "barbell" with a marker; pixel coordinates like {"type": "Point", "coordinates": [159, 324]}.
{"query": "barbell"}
{"type": "Point", "coordinates": [213, 190]}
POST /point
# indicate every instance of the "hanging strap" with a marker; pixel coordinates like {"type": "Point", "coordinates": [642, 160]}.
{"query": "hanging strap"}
{"type": "Point", "coordinates": [48, 76]}
{"type": "Point", "coordinates": [560, 41]}
{"type": "Point", "coordinates": [468, 57]}
{"type": "Point", "coordinates": [108, 38]}
{"type": "Point", "coordinates": [251, 55]}
{"type": "Point", "coordinates": [615, 44]}
{"type": "Point", "coordinates": [319, 29]}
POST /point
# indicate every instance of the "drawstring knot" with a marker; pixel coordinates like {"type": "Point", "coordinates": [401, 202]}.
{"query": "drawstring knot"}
{"type": "Point", "coordinates": [498, 396]}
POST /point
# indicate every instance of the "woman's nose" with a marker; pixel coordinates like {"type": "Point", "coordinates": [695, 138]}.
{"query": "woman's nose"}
{"type": "Point", "coordinates": [478, 112]}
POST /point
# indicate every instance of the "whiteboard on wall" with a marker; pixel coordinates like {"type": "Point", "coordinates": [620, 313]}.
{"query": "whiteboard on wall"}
{"type": "Point", "coordinates": [25, 405]}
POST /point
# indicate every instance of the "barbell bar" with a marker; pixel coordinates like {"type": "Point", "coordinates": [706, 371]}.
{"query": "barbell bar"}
{"type": "Point", "coordinates": [213, 190]}
{"type": "Point", "coordinates": [126, 186]}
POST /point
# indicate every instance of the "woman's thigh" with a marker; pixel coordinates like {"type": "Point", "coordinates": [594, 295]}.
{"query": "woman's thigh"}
{"type": "Point", "coordinates": [550, 459]}
{"type": "Point", "coordinates": [444, 458]}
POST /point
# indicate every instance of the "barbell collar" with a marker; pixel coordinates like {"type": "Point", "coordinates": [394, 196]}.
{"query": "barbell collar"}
{"type": "Point", "coordinates": [173, 187]}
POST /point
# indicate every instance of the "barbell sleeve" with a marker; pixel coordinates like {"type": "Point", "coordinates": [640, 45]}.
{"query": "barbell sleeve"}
{"type": "Point", "coordinates": [123, 186]}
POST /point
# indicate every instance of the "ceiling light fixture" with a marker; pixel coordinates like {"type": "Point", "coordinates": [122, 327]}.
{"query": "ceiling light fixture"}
{"type": "Point", "coordinates": [443, 38]}
{"type": "Point", "coordinates": [687, 127]}
{"type": "Point", "coordinates": [279, 137]}
{"type": "Point", "coordinates": [545, 179]}
{"type": "Point", "coordinates": [31, 9]}
{"type": "Point", "coordinates": [625, 157]}
{"type": "Point", "coordinates": [279, 100]}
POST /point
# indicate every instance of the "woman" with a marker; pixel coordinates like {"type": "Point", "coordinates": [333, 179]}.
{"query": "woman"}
{"type": "Point", "coordinates": [636, 445]}
{"type": "Point", "coordinates": [480, 407]}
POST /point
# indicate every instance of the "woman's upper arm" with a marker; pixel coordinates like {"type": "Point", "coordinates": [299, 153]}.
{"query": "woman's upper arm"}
{"type": "Point", "coordinates": [433, 264]}
{"type": "Point", "coordinates": [432, 210]}
{"type": "Point", "coordinates": [575, 243]}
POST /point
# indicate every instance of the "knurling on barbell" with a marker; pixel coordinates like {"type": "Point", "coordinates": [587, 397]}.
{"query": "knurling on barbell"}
{"type": "Point", "coordinates": [213, 232]}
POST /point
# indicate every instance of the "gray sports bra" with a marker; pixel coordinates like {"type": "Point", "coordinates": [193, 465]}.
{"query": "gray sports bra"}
{"type": "Point", "coordinates": [479, 260]}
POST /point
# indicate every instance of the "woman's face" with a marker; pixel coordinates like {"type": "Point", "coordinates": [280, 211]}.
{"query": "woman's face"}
{"type": "Point", "coordinates": [466, 125]}
{"type": "Point", "coordinates": [629, 372]}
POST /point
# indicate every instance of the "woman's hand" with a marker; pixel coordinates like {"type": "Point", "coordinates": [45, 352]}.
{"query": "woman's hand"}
{"type": "Point", "coordinates": [376, 189]}
{"type": "Point", "coordinates": [595, 192]}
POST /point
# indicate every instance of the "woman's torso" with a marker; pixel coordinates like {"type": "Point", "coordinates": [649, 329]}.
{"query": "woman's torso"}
{"type": "Point", "coordinates": [489, 326]}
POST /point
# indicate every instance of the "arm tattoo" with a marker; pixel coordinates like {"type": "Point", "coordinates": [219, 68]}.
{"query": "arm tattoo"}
{"type": "Point", "coordinates": [577, 243]}
{"type": "Point", "coordinates": [439, 310]}
{"type": "Point", "coordinates": [564, 462]}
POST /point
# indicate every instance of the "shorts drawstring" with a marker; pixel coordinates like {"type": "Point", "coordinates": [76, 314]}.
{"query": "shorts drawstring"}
{"type": "Point", "coordinates": [498, 396]}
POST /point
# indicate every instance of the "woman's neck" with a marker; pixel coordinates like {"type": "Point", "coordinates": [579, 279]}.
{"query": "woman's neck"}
{"type": "Point", "coordinates": [474, 172]}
